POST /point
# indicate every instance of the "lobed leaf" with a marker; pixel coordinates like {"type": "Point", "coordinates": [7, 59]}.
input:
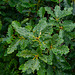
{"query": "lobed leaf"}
{"type": "Point", "coordinates": [30, 64]}
{"type": "Point", "coordinates": [40, 26]}
{"type": "Point", "coordinates": [60, 14]}
{"type": "Point", "coordinates": [21, 30]}
{"type": "Point", "coordinates": [13, 46]}
{"type": "Point", "coordinates": [49, 11]}
{"type": "Point", "coordinates": [68, 25]}
{"type": "Point", "coordinates": [25, 54]}
{"type": "Point", "coordinates": [61, 50]}
{"type": "Point", "coordinates": [41, 11]}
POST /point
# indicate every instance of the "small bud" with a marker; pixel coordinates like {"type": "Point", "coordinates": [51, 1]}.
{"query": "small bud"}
{"type": "Point", "coordinates": [57, 19]}
{"type": "Point", "coordinates": [61, 27]}
{"type": "Point", "coordinates": [37, 38]}
{"type": "Point", "coordinates": [51, 47]}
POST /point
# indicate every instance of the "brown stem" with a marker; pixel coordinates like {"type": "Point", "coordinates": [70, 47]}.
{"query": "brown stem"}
{"type": "Point", "coordinates": [59, 2]}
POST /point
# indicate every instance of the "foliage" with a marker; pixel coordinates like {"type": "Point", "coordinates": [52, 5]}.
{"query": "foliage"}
{"type": "Point", "coordinates": [38, 39]}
